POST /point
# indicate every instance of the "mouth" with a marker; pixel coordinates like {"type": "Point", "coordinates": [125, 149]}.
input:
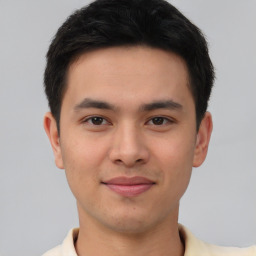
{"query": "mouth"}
{"type": "Point", "coordinates": [129, 186]}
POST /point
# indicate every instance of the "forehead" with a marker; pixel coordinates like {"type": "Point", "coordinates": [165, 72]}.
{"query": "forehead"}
{"type": "Point", "coordinates": [128, 73]}
{"type": "Point", "coordinates": [125, 59]}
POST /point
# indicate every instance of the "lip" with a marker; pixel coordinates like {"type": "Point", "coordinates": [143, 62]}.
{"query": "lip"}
{"type": "Point", "coordinates": [129, 186]}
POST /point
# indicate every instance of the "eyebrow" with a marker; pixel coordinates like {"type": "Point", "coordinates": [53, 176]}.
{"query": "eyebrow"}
{"type": "Point", "coordinates": [162, 104]}
{"type": "Point", "coordinates": [90, 103]}
{"type": "Point", "coordinates": [165, 104]}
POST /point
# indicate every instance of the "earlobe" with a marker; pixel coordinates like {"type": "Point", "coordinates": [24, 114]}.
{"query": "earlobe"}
{"type": "Point", "coordinates": [50, 127]}
{"type": "Point", "coordinates": [203, 139]}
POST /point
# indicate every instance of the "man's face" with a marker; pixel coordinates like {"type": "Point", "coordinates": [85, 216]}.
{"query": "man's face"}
{"type": "Point", "coordinates": [128, 137]}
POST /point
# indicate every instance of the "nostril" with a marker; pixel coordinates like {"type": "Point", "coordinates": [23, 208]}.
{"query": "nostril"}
{"type": "Point", "coordinates": [120, 161]}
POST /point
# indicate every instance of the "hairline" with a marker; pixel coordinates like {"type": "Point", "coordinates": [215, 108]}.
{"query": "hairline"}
{"type": "Point", "coordinates": [75, 58]}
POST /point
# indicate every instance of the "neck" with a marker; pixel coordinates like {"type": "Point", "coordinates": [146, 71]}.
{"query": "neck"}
{"type": "Point", "coordinates": [162, 240]}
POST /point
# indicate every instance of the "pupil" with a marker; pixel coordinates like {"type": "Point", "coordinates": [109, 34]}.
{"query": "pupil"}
{"type": "Point", "coordinates": [158, 120]}
{"type": "Point", "coordinates": [97, 120]}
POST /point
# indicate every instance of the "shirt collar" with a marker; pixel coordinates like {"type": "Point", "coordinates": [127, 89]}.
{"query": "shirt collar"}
{"type": "Point", "coordinates": [193, 246]}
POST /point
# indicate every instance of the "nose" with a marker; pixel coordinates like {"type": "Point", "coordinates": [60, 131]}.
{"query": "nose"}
{"type": "Point", "coordinates": [128, 147]}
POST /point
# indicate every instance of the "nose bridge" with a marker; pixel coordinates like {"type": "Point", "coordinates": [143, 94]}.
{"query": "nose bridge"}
{"type": "Point", "coordinates": [128, 145]}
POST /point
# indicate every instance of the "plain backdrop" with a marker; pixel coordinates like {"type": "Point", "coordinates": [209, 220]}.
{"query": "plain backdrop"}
{"type": "Point", "coordinates": [37, 208]}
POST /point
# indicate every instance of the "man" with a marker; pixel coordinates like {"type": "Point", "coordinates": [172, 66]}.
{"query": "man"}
{"type": "Point", "coordinates": [128, 83]}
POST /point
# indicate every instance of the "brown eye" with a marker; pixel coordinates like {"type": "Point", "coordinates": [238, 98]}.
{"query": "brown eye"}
{"type": "Point", "coordinates": [158, 120]}
{"type": "Point", "coordinates": [96, 120]}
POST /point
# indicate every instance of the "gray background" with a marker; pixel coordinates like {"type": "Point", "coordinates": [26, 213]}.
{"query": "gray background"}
{"type": "Point", "coordinates": [37, 208]}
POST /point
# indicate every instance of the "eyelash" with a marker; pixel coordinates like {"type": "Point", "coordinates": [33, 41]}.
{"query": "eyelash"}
{"type": "Point", "coordinates": [166, 120]}
{"type": "Point", "coordinates": [89, 120]}
{"type": "Point", "coordinates": [162, 118]}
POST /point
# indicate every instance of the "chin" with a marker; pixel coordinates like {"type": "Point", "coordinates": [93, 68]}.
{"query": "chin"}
{"type": "Point", "coordinates": [131, 221]}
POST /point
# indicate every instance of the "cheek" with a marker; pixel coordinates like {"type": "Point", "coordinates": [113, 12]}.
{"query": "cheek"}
{"type": "Point", "coordinates": [83, 150]}
{"type": "Point", "coordinates": [82, 158]}
{"type": "Point", "coordinates": [175, 158]}
{"type": "Point", "coordinates": [175, 151]}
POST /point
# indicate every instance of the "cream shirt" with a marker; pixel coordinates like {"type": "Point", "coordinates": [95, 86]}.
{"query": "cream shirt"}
{"type": "Point", "coordinates": [193, 246]}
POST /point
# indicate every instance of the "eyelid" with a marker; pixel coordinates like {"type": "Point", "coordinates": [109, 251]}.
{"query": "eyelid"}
{"type": "Point", "coordinates": [88, 118]}
{"type": "Point", "coordinates": [168, 119]}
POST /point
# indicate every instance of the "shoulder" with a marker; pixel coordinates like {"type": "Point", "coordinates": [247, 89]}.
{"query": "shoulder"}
{"type": "Point", "coordinates": [67, 248]}
{"type": "Point", "coordinates": [53, 252]}
{"type": "Point", "coordinates": [215, 250]}
{"type": "Point", "coordinates": [196, 247]}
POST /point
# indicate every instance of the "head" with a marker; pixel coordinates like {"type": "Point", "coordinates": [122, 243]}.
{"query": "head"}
{"type": "Point", "coordinates": [128, 83]}
{"type": "Point", "coordinates": [104, 23]}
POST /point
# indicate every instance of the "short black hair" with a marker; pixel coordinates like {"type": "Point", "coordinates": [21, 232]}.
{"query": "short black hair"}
{"type": "Point", "coordinates": [108, 23]}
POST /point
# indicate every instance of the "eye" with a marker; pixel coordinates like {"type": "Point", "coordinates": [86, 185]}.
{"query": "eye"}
{"type": "Point", "coordinates": [96, 120]}
{"type": "Point", "coordinates": [159, 120]}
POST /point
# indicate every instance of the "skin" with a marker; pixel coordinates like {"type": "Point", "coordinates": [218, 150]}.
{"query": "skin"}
{"type": "Point", "coordinates": [131, 137]}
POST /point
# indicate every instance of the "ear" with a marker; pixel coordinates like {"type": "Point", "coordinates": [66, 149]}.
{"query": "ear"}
{"type": "Point", "coordinates": [50, 127]}
{"type": "Point", "coordinates": [203, 139]}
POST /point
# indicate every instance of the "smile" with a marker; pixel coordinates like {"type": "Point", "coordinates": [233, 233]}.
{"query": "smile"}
{"type": "Point", "coordinates": [129, 187]}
